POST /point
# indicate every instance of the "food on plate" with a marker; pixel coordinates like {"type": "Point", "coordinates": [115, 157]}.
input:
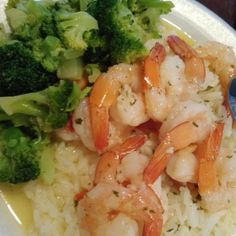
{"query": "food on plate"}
{"type": "Point", "coordinates": [111, 129]}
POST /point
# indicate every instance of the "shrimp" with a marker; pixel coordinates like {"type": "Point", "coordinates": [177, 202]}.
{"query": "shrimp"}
{"type": "Point", "coordinates": [105, 94]}
{"type": "Point", "coordinates": [222, 61]}
{"type": "Point", "coordinates": [184, 111]}
{"type": "Point", "coordinates": [194, 64]}
{"type": "Point", "coordinates": [109, 201]}
{"type": "Point", "coordinates": [157, 103]}
{"type": "Point", "coordinates": [129, 108]}
{"type": "Point", "coordinates": [183, 166]}
{"type": "Point", "coordinates": [207, 152]}
{"type": "Point", "coordinates": [189, 132]}
{"type": "Point", "coordinates": [81, 124]}
{"type": "Point", "coordinates": [67, 133]}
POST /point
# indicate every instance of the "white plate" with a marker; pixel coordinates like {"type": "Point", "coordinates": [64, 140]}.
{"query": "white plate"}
{"type": "Point", "coordinates": [191, 17]}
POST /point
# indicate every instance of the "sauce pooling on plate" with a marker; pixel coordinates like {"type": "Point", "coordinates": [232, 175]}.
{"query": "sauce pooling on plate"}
{"type": "Point", "coordinates": [18, 204]}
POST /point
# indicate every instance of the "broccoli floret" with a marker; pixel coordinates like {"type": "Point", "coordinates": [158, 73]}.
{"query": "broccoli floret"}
{"type": "Point", "coordinates": [126, 27]}
{"type": "Point", "coordinates": [72, 25]}
{"type": "Point", "coordinates": [48, 51]}
{"type": "Point", "coordinates": [147, 14]}
{"type": "Point", "coordinates": [45, 110]}
{"type": "Point", "coordinates": [93, 71]}
{"type": "Point", "coordinates": [20, 73]}
{"type": "Point", "coordinates": [30, 19]}
{"type": "Point", "coordinates": [124, 36]}
{"type": "Point", "coordinates": [19, 159]}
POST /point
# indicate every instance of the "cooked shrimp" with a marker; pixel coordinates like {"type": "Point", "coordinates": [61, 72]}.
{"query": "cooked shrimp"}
{"type": "Point", "coordinates": [222, 61]}
{"type": "Point", "coordinates": [172, 74]}
{"type": "Point", "coordinates": [81, 124]}
{"type": "Point", "coordinates": [183, 166]}
{"type": "Point", "coordinates": [109, 201]}
{"type": "Point", "coordinates": [185, 111]}
{"type": "Point", "coordinates": [194, 64]}
{"type": "Point", "coordinates": [129, 108]}
{"type": "Point", "coordinates": [67, 133]}
{"type": "Point", "coordinates": [105, 93]}
{"type": "Point", "coordinates": [180, 137]}
{"type": "Point", "coordinates": [207, 153]}
{"type": "Point", "coordinates": [157, 103]}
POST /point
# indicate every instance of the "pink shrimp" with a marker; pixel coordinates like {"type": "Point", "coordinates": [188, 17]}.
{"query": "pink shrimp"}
{"type": "Point", "coordinates": [194, 64]}
{"type": "Point", "coordinates": [157, 103]}
{"type": "Point", "coordinates": [207, 152]}
{"type": "Point", "coordinates": [108, 199]}
{"type": "Point", "coordinates": [102, 96]}
{"type": "Point", "coordinates": [178, 138]}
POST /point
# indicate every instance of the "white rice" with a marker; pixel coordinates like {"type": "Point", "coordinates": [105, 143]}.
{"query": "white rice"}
{"type": "Point", "coordinates": [54, 212]}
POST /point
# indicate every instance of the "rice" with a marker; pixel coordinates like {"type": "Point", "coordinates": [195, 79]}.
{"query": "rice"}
{"type": "Point", "coordinates": [184, 216]}
{"type": "Point", "coordinates": [54, 212]}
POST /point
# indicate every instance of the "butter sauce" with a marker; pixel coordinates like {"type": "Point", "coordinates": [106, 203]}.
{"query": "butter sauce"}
{"type": "Point", "coordinates": [18, 204]}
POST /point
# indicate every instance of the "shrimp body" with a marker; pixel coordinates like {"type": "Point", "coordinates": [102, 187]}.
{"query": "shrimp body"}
{"type": "Point", "coordinates": [180, 137]}
{"type": "Point", "coordinates": [194, 64]}
{"type": "Point", "coordinates": [109, 199]}
{"type": "Point", "coordinates": [107, 88]}
{"type": "Point", "coordinates": [81, 124]}
{"type": "Point", "coordinates": [183, 166]}
{"type": "Point", "coordinates": [184, 111]}
{"type": "Point", "coordinates": [129, 108]}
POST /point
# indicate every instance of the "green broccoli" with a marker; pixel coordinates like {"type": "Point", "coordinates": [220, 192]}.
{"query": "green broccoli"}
{"type": "Point", "coordinates": [48, 52]}
{"type": "Point", "coordinates": [125, 27]}
{"type": "Point", "coordinates": [20, 73]}
{"type": "Point", "coordinates": [93, 71]}
{"type": "Point", "coordinates": [45, 110]}
{"type": "Point", "coordinates": [147, 14]}
{"type": "Point", "coordinates": [72, 25]}
{"type": "Point", "coordinates": [19, 158]}
{"type": "Point", "coordinates": [124, 36]}
{"type": "Point", "coordinates": [30, 19]}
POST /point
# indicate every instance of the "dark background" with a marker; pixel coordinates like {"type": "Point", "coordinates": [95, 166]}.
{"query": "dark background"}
{"type": "Point", "coordinates": [226, 9]}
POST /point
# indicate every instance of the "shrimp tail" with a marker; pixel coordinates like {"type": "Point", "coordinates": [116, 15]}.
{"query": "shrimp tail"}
{"type": "Point", "coordinates": [194, 65]}
{"type": "Point", "coordinates": [102, 96]}
{"type": "Point", "coordinates": [152, 67]}
{"type": "Point", "coordinates": [100, 126]}
{"type": "Point", "coordinates": [207, 152]}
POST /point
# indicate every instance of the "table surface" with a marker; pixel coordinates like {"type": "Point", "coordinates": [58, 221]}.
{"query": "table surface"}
{"type": "Point", "coordinates": [226, 9]}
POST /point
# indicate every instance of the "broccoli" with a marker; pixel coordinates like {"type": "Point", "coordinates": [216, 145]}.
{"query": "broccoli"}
{"type": "Point", "coordinates": [93, 71]}
{"type": "Point", "coordinates": [20, 73]}
{"type": "Point", "coordinates": [44, 110]}
{"type": "Point", "coordinates": [4, 37]}
{"type": "Point", "coordinates": [19, 158]}
{"type": "Point", "coordinates": [30, 19]}
{"type": "Point", "coordinates": [71, 69]}
{"type": "Point", "coordinates": [147, 14]}
{"type": "Point", "coordinates": [48, 51]}
{"type": "Point", "coordinates": [72, 25]}
{"type": "Point", "coordinates": [126, 26]}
